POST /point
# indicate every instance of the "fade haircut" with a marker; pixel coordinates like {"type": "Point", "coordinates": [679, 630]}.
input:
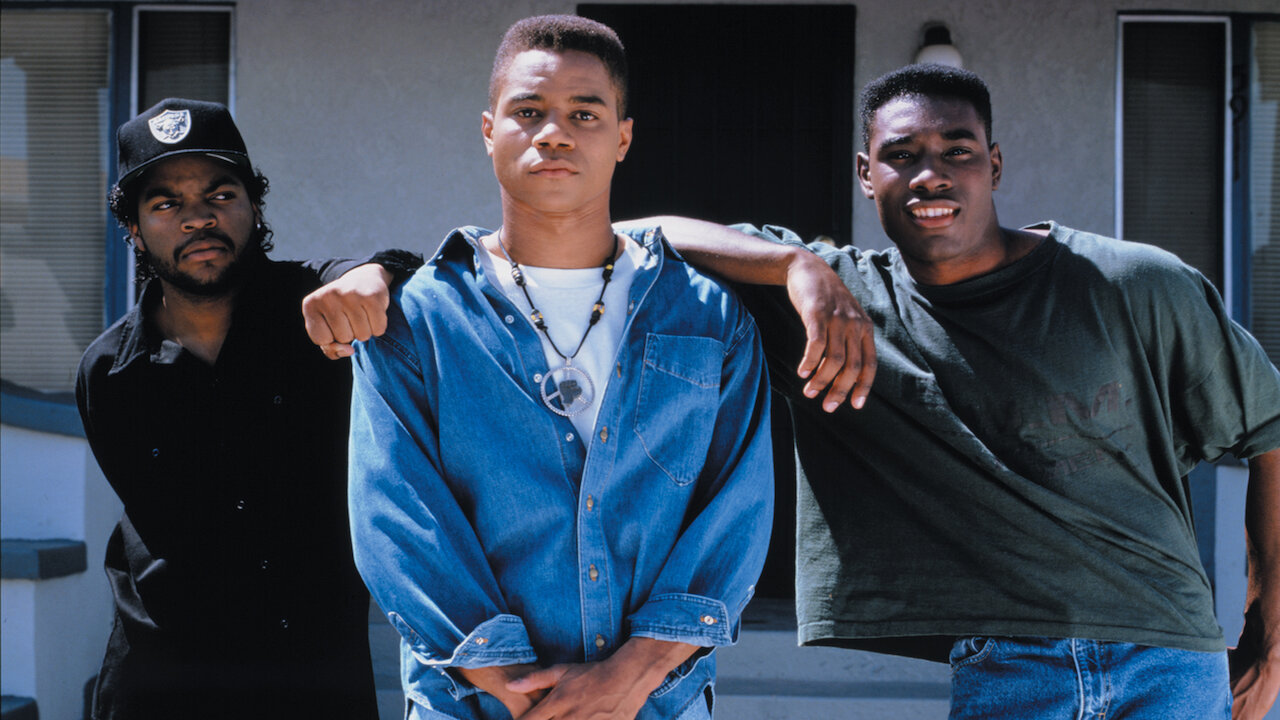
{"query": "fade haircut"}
{"type": "Point", "coordinates": [926, 80]}
{"type": "Point", "coordinates": [561, 33]}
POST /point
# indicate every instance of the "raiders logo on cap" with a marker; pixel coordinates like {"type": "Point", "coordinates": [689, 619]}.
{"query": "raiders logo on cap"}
{"type": "Point", "coordinates": [176, 126]}
{"type": "Point", "coordinates": [170, 126]}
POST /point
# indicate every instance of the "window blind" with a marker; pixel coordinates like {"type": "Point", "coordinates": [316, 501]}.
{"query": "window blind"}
{"type": "Point", "coordinates": [1173, 139]}
{"type": "Point", "coordinates": [183, 53]}
{"type": "Point", "coordinates": [53, 120]}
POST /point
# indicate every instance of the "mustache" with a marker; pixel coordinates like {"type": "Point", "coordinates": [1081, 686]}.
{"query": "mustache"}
{"type": "Point", "coordinates": [202, 236]}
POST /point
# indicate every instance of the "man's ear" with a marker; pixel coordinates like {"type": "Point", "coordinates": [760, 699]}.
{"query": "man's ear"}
{"type": "Point", "coordinates": [486, 131]}
{"type": "Point", "coordinates": [624, 137]}
{"type": "Point", "coordinates": [997, 165]}
{"type": "Point", "coordinates": [863, 168]}
{"type": "Point", "coordinates": [135, 237]}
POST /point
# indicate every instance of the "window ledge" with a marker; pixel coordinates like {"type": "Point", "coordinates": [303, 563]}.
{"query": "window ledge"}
{"type": "Point", "coordinates": [41, 559]}
{"type": "Point", "coordinates": [44, 412]}
{"type": "Point", "coordinates": [13, 707]}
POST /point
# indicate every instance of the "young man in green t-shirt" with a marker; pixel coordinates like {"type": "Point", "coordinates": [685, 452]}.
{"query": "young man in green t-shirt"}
{"type": "Point", "coordinates": [1012, 494]}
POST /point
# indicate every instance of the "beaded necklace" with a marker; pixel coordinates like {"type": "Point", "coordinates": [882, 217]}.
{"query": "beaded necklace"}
{"type": "Point", "coordinates": [566, 390]}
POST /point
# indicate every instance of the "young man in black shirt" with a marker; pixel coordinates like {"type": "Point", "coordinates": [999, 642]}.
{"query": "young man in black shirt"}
{"type": "Point", "coordinates": [224, 432]}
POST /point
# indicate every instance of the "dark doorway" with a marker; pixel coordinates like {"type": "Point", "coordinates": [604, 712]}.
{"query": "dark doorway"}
{"type": "Point", "coordinates": [743, 113]}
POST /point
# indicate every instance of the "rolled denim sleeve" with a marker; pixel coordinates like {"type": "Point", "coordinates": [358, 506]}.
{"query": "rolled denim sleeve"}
{"type": "Point", "coordinates": [413, 543]}
{"type": "Point", "coordinates": [711, 572]}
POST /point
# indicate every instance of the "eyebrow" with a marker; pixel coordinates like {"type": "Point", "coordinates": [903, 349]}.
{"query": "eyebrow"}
{"type": "Point", "coordinates": [960, 133]}
{"type": "Point", "coordinates": [573, 99]}
{"type": "Point", "coordinates": [154, 191]}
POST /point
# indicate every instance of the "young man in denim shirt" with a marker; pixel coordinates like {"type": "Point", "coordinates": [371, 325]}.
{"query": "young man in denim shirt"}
{"type": "Point", "coordinates": [561, 485]}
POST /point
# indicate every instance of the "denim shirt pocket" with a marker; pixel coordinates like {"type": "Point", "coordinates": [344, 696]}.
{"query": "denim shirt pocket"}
{"type": "Point", "coordinates": [678, 400]}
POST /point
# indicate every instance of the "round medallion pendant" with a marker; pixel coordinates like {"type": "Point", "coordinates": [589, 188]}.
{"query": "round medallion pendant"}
{"type": "Point", "coordinates": [567, 391]}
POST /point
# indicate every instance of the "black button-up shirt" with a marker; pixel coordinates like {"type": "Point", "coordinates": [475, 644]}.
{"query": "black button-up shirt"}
{"type": "Point", "coordinates": [235, 590]}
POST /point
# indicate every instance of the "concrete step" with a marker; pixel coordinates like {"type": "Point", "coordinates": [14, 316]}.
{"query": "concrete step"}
{"type": "Point", "coordinates": [766, 676]}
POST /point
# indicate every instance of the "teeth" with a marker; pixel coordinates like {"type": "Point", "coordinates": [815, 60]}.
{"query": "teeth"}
{"type": "Point", "coordinates": [932, 212]}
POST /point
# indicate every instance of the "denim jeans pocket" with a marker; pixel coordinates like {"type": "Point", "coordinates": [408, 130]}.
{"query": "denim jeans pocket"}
{"type": "Point", "coordinates": [677, 404]}
{"type": "Point", "coordinates": [970, 650]}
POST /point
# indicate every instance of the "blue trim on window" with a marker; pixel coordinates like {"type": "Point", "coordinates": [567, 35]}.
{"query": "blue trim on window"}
{"type": "Point", "coordinates": [44, 412]}
{"type": "Point", "coordinates": [118, 255]}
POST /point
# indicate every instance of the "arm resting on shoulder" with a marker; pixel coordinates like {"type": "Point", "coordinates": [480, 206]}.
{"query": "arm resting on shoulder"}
{"type": "Point", "coordinates": [1255, 662]}
{"type": "Point", "coordinates": [352, 305]}
{"type": "Point", "coordinates": [840, 350]}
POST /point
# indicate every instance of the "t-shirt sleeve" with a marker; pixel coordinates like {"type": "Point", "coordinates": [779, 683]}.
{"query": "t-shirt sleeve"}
{"type": "Point", "coordinates": [1224, 391]}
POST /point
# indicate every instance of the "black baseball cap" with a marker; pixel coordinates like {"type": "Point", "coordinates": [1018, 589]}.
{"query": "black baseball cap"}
{"type": "Point", "coordinates": [176, 126]}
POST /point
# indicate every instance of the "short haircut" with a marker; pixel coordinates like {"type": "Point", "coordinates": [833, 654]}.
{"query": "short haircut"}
{"type": "Point", "coordinates": [560, 33]}
{"type": "Point", "coordinates": [926, 80]}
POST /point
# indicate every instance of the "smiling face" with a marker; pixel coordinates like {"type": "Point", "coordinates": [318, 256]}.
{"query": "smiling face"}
{"type": "Point", "coordinates": [931, 171]}
{"type": "Point", "coordinates": [554, 133]}
{"type": "Point", "coordinates": [195, 221]}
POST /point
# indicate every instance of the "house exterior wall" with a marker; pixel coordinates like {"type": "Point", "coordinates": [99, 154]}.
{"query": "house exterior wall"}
{"type": "Point", "coordinates": [366, 116]}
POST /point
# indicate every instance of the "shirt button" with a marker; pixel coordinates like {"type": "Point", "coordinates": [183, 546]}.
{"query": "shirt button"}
{"type": "Point", "coordinates": [537, 377]}
{"type": "Point", "coordinates": [265, 564]}
{"type": "Point", "coordinates": [708, 620]}
{"type": "Point", "coordinates": [631, 306]}
{"type": "Point", "coordinates": [481, 641]}
{"type": "Point", "coordinates": [600, 642]}
{"type": "Point", "coordinates": [155, 452]}
{"type": "Point", "coordinates": [278, 400]}
{"type": "Point", "coordinates": [284, 623]}
{"type": "Point", "coordinates": [240, 504]}
{"type": "Point", "coordinates": [604, 434]}
{"type": "Point", "coordinates": [509, 319]}
{"type": "Point", "coordinates": [593, 573]}
{"type": "Point", "coordinates": [591, 503]}
{"type": "Point", "coordinates": [568, 437]}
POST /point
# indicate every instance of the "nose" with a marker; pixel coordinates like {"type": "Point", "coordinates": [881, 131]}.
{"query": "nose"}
{"type": "Point", "coordinates": [197, 216]}
{"type": "Point", "coordinates": [930, 177]}
{"type": "Point", "coordinates": [554, 134]}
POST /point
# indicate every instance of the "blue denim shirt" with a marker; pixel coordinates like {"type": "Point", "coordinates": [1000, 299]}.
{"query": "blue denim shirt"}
{"type": "Point", "coordinates": [492, 534]}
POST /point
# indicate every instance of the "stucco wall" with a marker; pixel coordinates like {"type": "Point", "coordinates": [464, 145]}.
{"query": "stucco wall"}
{"type": "Point", "coordinates": [366, 116]}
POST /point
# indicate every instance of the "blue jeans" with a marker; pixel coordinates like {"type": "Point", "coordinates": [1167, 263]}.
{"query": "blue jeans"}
{"type": "Point", "coordinates": [1075, 679]}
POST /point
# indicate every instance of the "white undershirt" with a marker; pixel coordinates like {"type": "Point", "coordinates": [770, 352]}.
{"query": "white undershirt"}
{"type": "Point", "coordinates": [565, 297]}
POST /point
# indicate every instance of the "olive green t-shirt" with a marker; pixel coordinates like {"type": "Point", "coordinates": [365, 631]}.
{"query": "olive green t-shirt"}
{"type": "Point", "coordinates": [1020, 467]}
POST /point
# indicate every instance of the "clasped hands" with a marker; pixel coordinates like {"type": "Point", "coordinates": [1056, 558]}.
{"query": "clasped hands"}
{"type": "Point", "coordinates": [614, 688]}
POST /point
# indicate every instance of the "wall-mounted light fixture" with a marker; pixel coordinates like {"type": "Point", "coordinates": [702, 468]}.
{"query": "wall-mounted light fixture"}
{"type": "Point", "coordinates": [937, 47]}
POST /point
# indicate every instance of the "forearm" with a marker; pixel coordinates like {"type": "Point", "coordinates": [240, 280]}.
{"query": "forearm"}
{"type": "Point", "coordinates": [400, 263]}
{"type": "Point", "coordinates": [650, 661]}
{"type": "Point", "coordinates": [1262, 527]}
{"type": "Point", "coordinates": [727, 252]}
